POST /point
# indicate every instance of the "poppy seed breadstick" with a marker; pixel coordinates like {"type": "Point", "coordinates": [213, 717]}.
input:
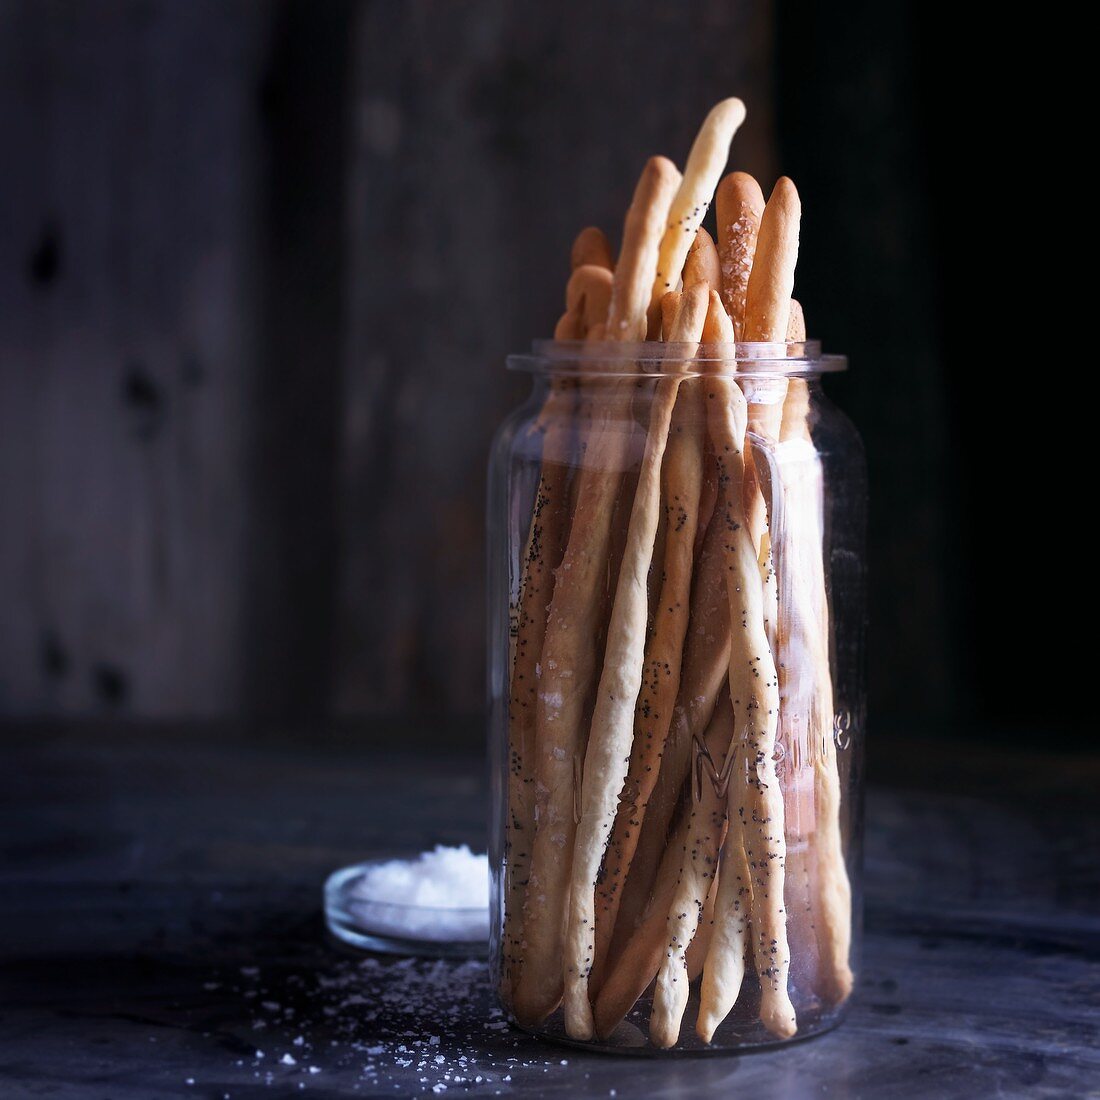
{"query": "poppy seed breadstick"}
{"type": "Point", "coordinates": [641, 957]}
{"type": "Point", "coordinates": [645, 222]}
{"type": "Point", "coordinates": [609, 742]}
{"type": "Point", "coordinates": [574, 619]}
{"type": "Point", "coordinates": [738, 205]}
{"type": "Point", "coordinates": [755, 802]}
{"type": "Point", "coordinates": [705, 162]}
{"type": "Point", "coordinates": [651, 793]}
{"type": "Point", "coordinates": [592, 247]}
{"type": "Point", "coordinates": [587, 295]}
{"type": "Point", "coordinates": [706, 826]}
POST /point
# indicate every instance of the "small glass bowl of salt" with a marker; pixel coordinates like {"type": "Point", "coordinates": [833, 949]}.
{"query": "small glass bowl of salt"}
{"type": "Point", "coordinates": [432, 905]}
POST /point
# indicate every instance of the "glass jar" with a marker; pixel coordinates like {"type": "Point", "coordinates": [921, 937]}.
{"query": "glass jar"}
{"type": "Point", "coordinates": [676, 632]}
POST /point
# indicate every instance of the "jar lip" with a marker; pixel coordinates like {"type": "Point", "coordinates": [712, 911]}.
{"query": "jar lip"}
{"type": "Point", "coordinates": [655, 357]}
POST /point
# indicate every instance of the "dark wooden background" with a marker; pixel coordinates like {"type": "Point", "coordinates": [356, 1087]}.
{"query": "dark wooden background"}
{"type": "Point", "coordinates": [260, 264]}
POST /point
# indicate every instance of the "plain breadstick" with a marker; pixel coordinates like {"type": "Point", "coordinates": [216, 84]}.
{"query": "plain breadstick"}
{"type": "Point", "coordinates": [645, 221]}
{"type": "Point", "coordinates": [804, 640]}
{"type": "Point", "coordinates": [641, 958]}
{"type": "Point", "coordinates": [574, 618]}
{"type": "Point", "coordinates": [705, 162]}
{"type": "Point", "coordinates": [653, 788]}
{"type": "Point", "coordinates": [608, 752]}
{"type": "Point", "coordinates": [592, 247]}
{"type": "Point", "coordinates": [738, 205]}
{"type": "Point", "coordinates": [756, 805]}
{"type": "Point", "coordinates": [702, 264]}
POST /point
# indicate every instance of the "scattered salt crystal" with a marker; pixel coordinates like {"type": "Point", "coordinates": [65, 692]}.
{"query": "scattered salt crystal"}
{"type": "Point", "coordinates": [288, 1060]}
{"type": "Point", "coordinates": [189, 1081]}
{"type": "Point", "coordinates": [300, 1041]}
{"type": "Point", "coordinates": [314, 1069]}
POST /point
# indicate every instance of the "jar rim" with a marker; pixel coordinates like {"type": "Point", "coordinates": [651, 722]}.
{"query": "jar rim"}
{"type": "Point", "coordinates": [655, 357]}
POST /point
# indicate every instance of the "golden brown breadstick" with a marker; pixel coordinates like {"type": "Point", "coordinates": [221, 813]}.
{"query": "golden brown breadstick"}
{"type": "Point", "coordinates": [608, 752]}
{"type": "Point", "coordinates": [796, 324]}
{"type": "Point", "coordinates": [645, 221]}
{"type": "Point", "coordinates": [768, 297]}
{"type": "Point", "coordinates": [587, 296]}
{"type": "Point", "coordinates": [756, 805]}
{"type": "Point", "coordinates": [705, 162]}
{"type": "Point", "coordinates": [592, 247]}
{"type": "Point", "coordinates": [738, 204]}
{"type": "Point", "coordinates": [701, 264]}
{"type": "Point", "coordinates": [641, 958]}
{"type": "Point", "coordinates": [651, 794]}
{"type": "Point", "coordinates": [574, 618]}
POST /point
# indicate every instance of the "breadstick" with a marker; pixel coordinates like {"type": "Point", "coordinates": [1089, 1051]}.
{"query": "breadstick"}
{"type": "Point", "coordinates": [641, 826]}
{"type": "Point", "coordinates": [724, 966]}
{"type": "Point", "coordinates": [608, 752]}
{"type": "Point", "coordinates": [701, 264]}
{"type": "Point", "coordinates": [707, 821]}
{"type": "Point", "coordinates": [645, 221]}
{"type": "Point", "coordinates": [592, 247]}
{"type": "Point", "coordinates": [768, 296]}
{"type": "Point", "coordinates": [804, 641]}
{"type": "Point", "coordinates": [738, 204]}
{"type": "Point", "coordinates": [705, 162]}
{"type": "Point", "coordinates": [574, 618]}
{"type": "Point", "coordinates": [587, 296]}
{"type": "Point", "coordinates": [756, 806]}
{"type": "Point", "coordinates": [697, 950]}
{"type": "Point", "coordinates": [641, 958]}
{"type": "Point", "coordinates": [796, 325]}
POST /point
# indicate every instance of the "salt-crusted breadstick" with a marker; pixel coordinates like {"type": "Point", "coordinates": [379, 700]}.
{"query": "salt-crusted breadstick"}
{"type": "Point", "coordinates": [705, 162]}
{"type": "Point", "coordinates": [796, 325]}
{"type": "Point", "coordinates": [608, 752]}
{"type": "Point", "coordinates": [592, 247]}
{"type": "Point", "coordinates": [707, 821]}
{"type": "Point", "coordinates": [756, 805]}
{"type": "Point", "coordinates": [587, 298]}
{"type": "Point", "coordinates": [645, 222]}
{"type": "Point", "coordinates": [641, 958]}
{"type": "Point", "coordinates": [574, 618]}
{"type": "Point", "coordinates": [738, 205]}
{"type": "Point", "coordinates": [641, 826]}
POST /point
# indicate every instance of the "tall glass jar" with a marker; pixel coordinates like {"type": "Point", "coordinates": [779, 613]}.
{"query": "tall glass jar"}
{"type": "Point", "coordinates": [676, 586]}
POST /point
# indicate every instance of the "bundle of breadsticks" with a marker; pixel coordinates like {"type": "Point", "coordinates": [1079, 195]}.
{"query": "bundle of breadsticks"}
{"type": "Point", "coordinates": [652, 842]}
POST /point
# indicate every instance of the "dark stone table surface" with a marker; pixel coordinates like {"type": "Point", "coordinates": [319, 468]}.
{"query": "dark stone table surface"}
{"type": "Point", "coordinates": [161, 933]}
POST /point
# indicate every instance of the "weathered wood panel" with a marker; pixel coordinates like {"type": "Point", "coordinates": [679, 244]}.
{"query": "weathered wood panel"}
{"type": "Point", "coordinates": [260, 268]}
{"type": "Point", "coordinates": [486, 135]}
{"type": "Point", "coordinates": [130, 145]}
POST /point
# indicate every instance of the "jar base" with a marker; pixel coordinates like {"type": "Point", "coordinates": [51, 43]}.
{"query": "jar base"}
{"type": "Point", "coordinates": [740, 1033]}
